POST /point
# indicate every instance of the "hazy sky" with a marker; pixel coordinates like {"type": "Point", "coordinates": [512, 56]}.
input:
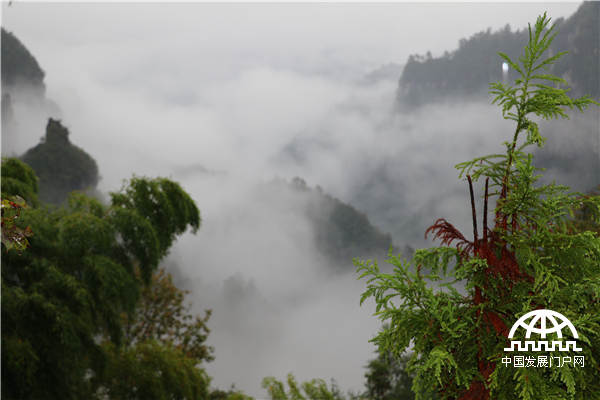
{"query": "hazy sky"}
{"type": "Point", "coordinates": [128, 44]}
{"type": "Point", "coordinates": [183, 64]}
{"type": "Point", "coordinates": [157, 89]}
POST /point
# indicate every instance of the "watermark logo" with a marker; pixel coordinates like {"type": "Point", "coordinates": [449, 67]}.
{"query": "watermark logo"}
{"type": "Point", "coordinates": [549, 322]}
{"type": "Point", "coordinates": [543, 323]}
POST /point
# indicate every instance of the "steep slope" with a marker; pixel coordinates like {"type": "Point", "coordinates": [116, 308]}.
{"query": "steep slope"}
{"type": "Point", "coordinates": [25, 107]}
{"type": "Point", "coordinates": [61, 166]}
{"type": "Point", "coordinates": [19, 66]}
{"type": "Point", "coordinates": [341, 232]}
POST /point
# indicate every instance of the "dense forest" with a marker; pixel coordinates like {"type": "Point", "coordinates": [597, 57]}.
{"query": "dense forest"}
{"type": "Point", "coordinates": [85, 311]}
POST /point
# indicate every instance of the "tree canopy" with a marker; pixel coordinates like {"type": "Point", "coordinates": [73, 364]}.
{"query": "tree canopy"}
{"type": "Point", "coordinates": [89, 269]}
{"type": "Point", "coordinates": [388, 378]}
{"type": "Point", "coordinates": [315, 389]}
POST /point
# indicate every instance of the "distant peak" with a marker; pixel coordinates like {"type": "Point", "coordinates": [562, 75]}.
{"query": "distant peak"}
{"type": "Point", "coordinates": [56, 132]}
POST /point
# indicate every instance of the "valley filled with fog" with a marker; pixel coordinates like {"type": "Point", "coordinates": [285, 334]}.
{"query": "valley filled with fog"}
{"type": "Point", "coordinates": [233, 102]}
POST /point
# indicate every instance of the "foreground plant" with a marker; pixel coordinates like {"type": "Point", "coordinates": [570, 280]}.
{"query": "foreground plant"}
{"type": "Point", "coordinates": [14, 237]}
{"type": "Point", "coordinates": [87, 265]}
{"type": "Point", "coordinates": [316, 389]}
{"type": "Point", "coordinates": [454, 304]}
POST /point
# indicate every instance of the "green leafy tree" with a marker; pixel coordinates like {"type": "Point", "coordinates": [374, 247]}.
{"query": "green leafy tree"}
{"type": "Point", "coordinates": [453, 305]}
{"type": "Point", "coordinates": [163, 346]}
{"type": "Point", "coordinates": [19, 179]}
{"type": "Point", "coordinates": [316, 389]}
{"type": "Point", "coordinates": [231, 394]}
{"type": "Point", "coordinates": [75, 281]}
{"type": "Point", "coordinates": [388, 378]}
{"type": "Point", "coordinates": [162, 315]}
{"type": "Point", "coordinates": [587, 217]}
{"type": "Point", "coordinates": [151, 370]}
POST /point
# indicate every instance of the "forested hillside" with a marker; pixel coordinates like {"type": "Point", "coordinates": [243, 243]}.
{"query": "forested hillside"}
{"type": "Point", "coordinates": [24, 102]}
{"type": "Point", "coordinates": [467, 70]}
{"type": "Point", "coordinates": [19, 66]}
{"type": "Point", "coordinates": [341, 231]}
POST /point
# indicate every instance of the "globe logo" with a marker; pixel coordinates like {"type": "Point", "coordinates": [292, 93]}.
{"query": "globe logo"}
{"type": "Point", "coordinates": [543, 317]}
{"type": "Point", "coordinates": [543, 323]}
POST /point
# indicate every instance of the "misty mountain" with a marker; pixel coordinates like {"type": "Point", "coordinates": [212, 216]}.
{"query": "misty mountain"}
{"type": "Point", "coordinates": [19, 66]}
{"type": "Point", "coordinates": [19, 69]}
{"type": "Point", "coordinates": [468, 70]}
{"type": "Point", "coordinates": [386, 72]}
{"type": "Point", "coordinates": [341, 231]}
{"type": "Point", "coordinates": [23, 95]}
{"type": "Point", "coordinates": [295, 90]}
{"type": "Point", "coordinates": [61, 166]}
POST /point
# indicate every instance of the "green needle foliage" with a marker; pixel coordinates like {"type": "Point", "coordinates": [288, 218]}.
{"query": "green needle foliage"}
{"type": "Point", "coordinates": [453, 305]}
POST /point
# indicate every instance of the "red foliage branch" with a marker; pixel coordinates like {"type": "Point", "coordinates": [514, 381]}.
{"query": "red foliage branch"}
{"type": "Point", "coordinates": [502, 267]}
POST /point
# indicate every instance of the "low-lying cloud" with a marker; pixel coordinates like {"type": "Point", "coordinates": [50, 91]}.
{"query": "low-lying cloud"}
{"type": "Point", "coordinates": [224, 110]}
